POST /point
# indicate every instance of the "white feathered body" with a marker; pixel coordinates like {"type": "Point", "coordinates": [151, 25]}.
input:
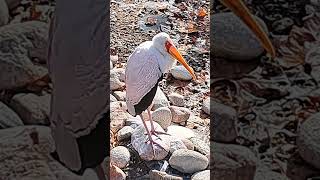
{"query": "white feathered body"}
{"type": "Point", "coordinates": [144, 68]}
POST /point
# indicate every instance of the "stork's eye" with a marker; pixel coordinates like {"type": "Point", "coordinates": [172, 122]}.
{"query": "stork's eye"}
{"type": "Point", "coordinates": [168, 45]}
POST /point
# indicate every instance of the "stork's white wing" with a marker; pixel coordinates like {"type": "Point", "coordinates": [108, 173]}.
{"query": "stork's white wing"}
{"type": "Point", "coordinates": [142, 74]}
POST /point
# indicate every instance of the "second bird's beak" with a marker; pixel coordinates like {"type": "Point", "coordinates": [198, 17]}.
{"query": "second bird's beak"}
{"type": "Point", "coordinates": [176, 54]}
{"type": "Point", "coordinates": [238, 7]}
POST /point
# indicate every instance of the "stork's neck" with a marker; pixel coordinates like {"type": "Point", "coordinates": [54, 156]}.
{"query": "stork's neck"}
{"type": "Point", "coordinates": [165, 61]}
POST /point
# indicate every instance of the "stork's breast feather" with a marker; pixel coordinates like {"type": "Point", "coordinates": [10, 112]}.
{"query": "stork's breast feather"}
{"type": "Point", "coordinates": [142, 74]}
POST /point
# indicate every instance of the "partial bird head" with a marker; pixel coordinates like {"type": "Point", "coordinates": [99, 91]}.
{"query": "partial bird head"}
{"type": "Point", "coordinates": [238, 7]}
{"type": "Point", "coordinates": [165, 45]}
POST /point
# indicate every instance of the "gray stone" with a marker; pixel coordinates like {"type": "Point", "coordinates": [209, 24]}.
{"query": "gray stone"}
{"type": "Point", "coordinates": [233, 39]}
{"type": "Point", "coordinates": [224, 119]}
{"type": "Point", "coordinates": [19, 44]}
{"type": "Point", "coordinates": [4, 13]}
{"type": "Point", "coordinates": [176, 99]}
{"type": "Point", "coordinates": [115, 83]}
{"type": "Point", "coordinates": [33, 109]}
{"type": "Point", "coordinates": [180, 114]}
{"type": "Point", "coordinates": [188, 161]}
{"type": "Point", "coordinates": [121, 73]}
{"type": "Point", "coordinates": [19, 144]}
{"type": "Point", "coordinates": [202, 175]}
{"type": "Point", "coordinates": [118, 116]}
{"type": "Point", "coordinates": [308, 140]}
{"type": "Point", "coordinates": [120, 156]}
{"type": "Point", "coordinates": [120, 95]}
{"type": "Point", "coordinates": [180, 132]}
{"type": "Point", "coordinates": [125, 133]}
{"type": "Point", "coordinates": [162, 116]}
{"type": "Point", "coordinates": [206, 106]}
{"type": "Point", "coordinates": [232, 162]}
{"type": "Point", "coordinates": [180, 73]}
{"type": "Point", "coordinates": [139, 138]}
{"type": "Point", "coordinates": [200, 145]}
{"type": "Point", "coordinates": [188, 144]}
{"type": "Point", "coordinates": [8, 118]}
{"type": "Point", "coordinates": [160, 100]}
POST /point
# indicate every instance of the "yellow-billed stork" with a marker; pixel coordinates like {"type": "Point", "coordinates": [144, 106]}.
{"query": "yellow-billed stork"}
{"type": "Point", "coordinates": [151, 59]}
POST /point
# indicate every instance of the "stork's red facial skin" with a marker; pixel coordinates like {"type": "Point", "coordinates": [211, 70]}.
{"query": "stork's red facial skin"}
{"type": "Point", "coordinates": [168, 45]}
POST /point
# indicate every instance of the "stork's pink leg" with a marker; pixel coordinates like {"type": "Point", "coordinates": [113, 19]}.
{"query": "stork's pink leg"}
{"type": "Point", "coordinates": [152, 142]}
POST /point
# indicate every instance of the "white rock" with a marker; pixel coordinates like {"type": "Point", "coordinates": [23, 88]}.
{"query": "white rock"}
{"type": "Point", "coordinates": [121, 73]}
{"type": "Point", "coordinates": [200, 146]}
{"type": "Point", "coordinates": [179, 114]}
{"type": "Point", "coordinates": [206, 106]}
{"type": "Point", "coordinates": [202, 175]}
{"type": "Point", "coordinates": [115, 83]}
{"type": "Point", "coordinates": [4, 13]}
{"type": "Point", "coordinates": [160, 100]}
{"type": "Point", "coordinates": [120, 156]}
{"type": "Point", "coordinates": [162, 116]}
{"type": "Point", "coordinates": [112, 98]}
{"type": "Point", "coordinates": [138, 141]}
{"type": "Point", "coordinates": [175, 144]}
{"type": "Point", "coordinates": [125, 133]}
{"type": "Point", "coordinates": [181, 73]}
{"type": "Point", "coordinates": [188, 161]}
{"type": "Point", "coordinates": [111, 65]}
{"type": "Point", "coordinates": [114, 59]}
{"type": "Point", "coordinates": [8, 118]}
{"type": "Point", "coordinates": [176, 99]}
{"type": "Point", "coordinates": [180, 132]}
{"type": "Point", "coordinates": [33, 109]}
{"type": "Point", "coordinates": [120, 95]}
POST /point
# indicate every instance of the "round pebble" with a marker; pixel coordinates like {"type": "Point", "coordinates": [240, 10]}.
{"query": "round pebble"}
{"type": "Point", "coordinates": [125, 133]}
{"type": "Point", "coordinates": [120, 156]}
{"type": "Point", "coordinates": [180, 73]}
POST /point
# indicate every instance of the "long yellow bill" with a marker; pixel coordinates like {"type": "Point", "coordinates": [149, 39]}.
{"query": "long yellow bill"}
{"type": "Point", "coordinates": [176, 54]}
{"type": "Point", "coordinates": [238, 7]}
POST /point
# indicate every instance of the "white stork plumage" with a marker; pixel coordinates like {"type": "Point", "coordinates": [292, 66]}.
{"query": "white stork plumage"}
{"type": "Point", "coordinates": [151, 59]}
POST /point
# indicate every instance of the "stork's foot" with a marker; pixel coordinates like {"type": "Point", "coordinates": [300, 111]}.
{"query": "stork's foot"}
{"type": "Point", "coordinates": [156, 133]}
{"type": "Point", "coordinates": [153, 143]}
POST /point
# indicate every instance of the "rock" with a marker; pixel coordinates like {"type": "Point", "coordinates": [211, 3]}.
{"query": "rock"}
{"type": "Point", "coordinates": [26, 150]}
{"type": "Point", "coordinates": [120, 156]}
{"type": "Point", "coordinates": [115, 83]}
{"type": "Point", "coordinates": [120, 95]}
{"type": "Point", "coordinates": [283, 24]}
{"type": "Point", "coordinates": [179, 114]}
{"type": "Point", "coordinates": [176, 99]}
{"type": "Point", "coordinates": [20, 43]}
{"type": "Point", "coordinates": [180, 73]}
{"type": "Point", "coordinates": [200, 145]}
{"type": "Point", "coordinates": [138, 141]}
{"type": "Point", "coordinates": [188, 161]}
{"type": "Point", "coordinates": [233, 39]}
{"type": "Point", "coordinates": [33, 109]}
{"type": "Point", "coordinates": [232, 162]}
{"type": "Point", "coordinates": [121, 73]}
{"type": "Point", "coordinates": [8, 118]}
{"type": "Point", "coordinates": [118, 115]}
{"type": "Point", "coordinates": [125, 133]}
{"type": "Point", "coordinates": [112, 98]}
{"type": "Point", "coordinates": [264, 174]}
{"type": "Point", "coordinates": [111, 65]}
{"type": "Point", "coordinates": [12, 3]}
{"type": "Point", "coordinates": [4, 13]}
{"type": "Point", "coordinates": [116, 173]}
{"type": "Point", "coordinates": [134, 122]}
{"type": "Point", "coordinates": [224, 121]}
{"type": "Point", "coordinates": [114, 59]}
{"type": "Point", "coordinates": [175, 144]}
{"type": "Point", "coordinates": [206, 106]}
{"type": "Point", "coordinates": [202, 175]}
{"type": "Point", "coordinates": [188, 144]}
{"type": "Point", "coordinates": [180, 132]}
{"type": "Point", "coordinates": [162, 116]}
{"type": "Point", "coordinates": [308, 140]}
{"type": "Point", "coordinates": [160, 100]}
{"type": "Point", "coordinates": [160, 175]}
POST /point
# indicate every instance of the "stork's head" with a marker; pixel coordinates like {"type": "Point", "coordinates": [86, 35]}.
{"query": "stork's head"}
{"type": "Point", "coordinates": [238, 7]}
{"type": "Point", "coordinates": [165, 45]}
